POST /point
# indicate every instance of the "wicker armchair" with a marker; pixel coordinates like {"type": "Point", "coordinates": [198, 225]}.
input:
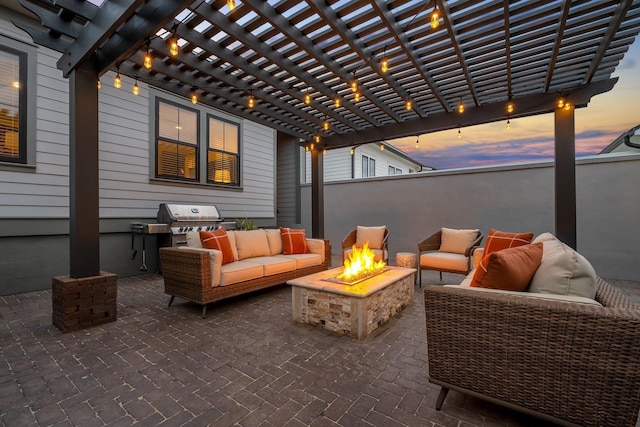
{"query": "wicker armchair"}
{"type": "Point", "coordinates": [564, 362]}
{"type": "Point", "coordinates": [430, 258]}
{"type": "Point", "coordinates": [351, 239]}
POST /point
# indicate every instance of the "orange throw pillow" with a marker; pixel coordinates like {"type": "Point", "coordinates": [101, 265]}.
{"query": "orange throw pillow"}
{"type": "Point", "coordinates": [498, 240]}
{"type": "Point", "coordinates": [509, 269]}
{"type": "Point", "coordinates": [218, 239]}
{"type": "Point", "coordinates": [293, 241]}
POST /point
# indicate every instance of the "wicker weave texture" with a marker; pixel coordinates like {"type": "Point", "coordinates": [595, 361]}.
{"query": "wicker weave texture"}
{"type": "Point", "coordinates": [187, 274]}
{"type": "Point", "coordinates": [574, 362]}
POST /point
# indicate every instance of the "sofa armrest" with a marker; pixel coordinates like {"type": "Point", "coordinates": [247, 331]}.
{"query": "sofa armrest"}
{"type": "Point", "coordinates": [191, 265]}
{"type": "Point", "coordinates": [478, 253]}
{"type": "Point", "coordinates": [531, 353]}
{"type": "Point", "coordinates": [320, 247]}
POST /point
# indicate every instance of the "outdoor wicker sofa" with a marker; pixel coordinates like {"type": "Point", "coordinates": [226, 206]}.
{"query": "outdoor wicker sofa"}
{"type": "Point", "coordinates": [570, 363]}
{"type": "Point", "coordinates": [197, 274]}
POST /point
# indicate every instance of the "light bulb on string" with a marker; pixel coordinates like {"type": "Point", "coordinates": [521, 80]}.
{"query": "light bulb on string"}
{"type": "Point", "coordinates": [307, 98]}
{"type": "Point", "coordinates": [317, 138]}
{"type": "Point", "coordinates": [99, 85]}
{"type": "Point", "coordinates": [173, 45]}
{"type": "Point", "coordinates": [354, 85]}
{"type": "Point", "coordinates": [336, 102]}
{"type": "Point", "coordinates": [459, 134]}
{"type": "Point", "coordinates": [117, 81]}
{"type": "Point", "coordinates": [408, 104]}
{"type": "Point", "coordinates": [418, 141]}
{"type": "Point", "coordinates": [231, 4]}
{"type": "Point", "coordinates": [194, 96]}
{"type": "Point", "coordinates": [510, 107]}
{"type": "Point", "coordinates": [561, 102]}
{"type": "Point", "coordinates": [136, 88]}
{"type": "Point", "coordinates": [148, 59]}
{"type": "Point", "coordinates": [352, 151]}
{"type": "Point", "coordinates": [461, 107]}
{"type": "Point", "coordinates": [508, 124]}
{"type": "Point", "coordinates": [382, 146]}
{"type": "Point", "coordinates": [435, 17]}
{"type": "Point", "coordinates": [567, 106]}
{"type": "Point", "coordinates": [325, 124]}
{"type": "Point", "coordinates": [251, 102]}
{"type": "Point", "coordinates": [324, 152]}
{"type": "Point", "coordinates": [356, 97]}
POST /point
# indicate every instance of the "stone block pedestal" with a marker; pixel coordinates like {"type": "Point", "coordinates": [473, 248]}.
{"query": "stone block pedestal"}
{"type": "Point", "coordinates": [84, 302]}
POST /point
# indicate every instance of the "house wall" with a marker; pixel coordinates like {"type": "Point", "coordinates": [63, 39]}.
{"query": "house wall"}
{"type": "Point", "coordinates": [508, 198]}
{"type": "Point", "coordinates": [34, 201]}
{"type": "Point", "coordinates": [337, 163]}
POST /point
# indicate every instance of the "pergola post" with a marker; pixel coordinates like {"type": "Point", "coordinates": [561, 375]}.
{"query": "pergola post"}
{"type": "Point", "coordinates": [565, 175]}
{"type": "Point", "coordinates": [87, 296]}
{"type": "Point", "coordinates": [317, 194]}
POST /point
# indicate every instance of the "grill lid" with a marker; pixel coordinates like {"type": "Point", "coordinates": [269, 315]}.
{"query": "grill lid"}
{"type": "Point", "coordinates": [172, 212]}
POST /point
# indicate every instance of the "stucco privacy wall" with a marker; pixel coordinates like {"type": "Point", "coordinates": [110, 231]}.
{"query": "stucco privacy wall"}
{"type": "Point", "coordinates": [34, 200]}
{"type": "Point", "coordinates": [509, 198]}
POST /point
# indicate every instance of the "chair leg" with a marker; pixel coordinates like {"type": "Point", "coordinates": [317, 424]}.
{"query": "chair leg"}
{"type": "Point", "coordinates": [441, 397]}
{"type": "Point", "coordinates": [171, 300]}
{"type": "Point", "coordinates": [204, 311]}
{"type": "Point", "coordinates": [419, 276]}
{"type": "Point", "coordinates": [441, 276]}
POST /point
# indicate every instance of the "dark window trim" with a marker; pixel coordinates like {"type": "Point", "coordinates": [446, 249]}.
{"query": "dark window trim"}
{"type": "Point", "coordinates": [208, 132]}
{"type": "Point", "coordinates": [158, 100]}
{"type": "Point", "coordinates": [23, 60]}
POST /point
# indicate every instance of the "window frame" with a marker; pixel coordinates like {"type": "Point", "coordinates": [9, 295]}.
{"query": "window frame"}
{"type": "Point", "coordinates": [365, 167]}
{"type": "Point", "coordinates": [157, 138]}
{"type": "Point", "coordinates": [237, 182]}
{"type": "Point", "coordinates": [27, 109]}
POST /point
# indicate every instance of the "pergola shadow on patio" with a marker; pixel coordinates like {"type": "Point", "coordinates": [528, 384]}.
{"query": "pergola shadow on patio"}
{"type": "Point", "coordinates": [246, 364]}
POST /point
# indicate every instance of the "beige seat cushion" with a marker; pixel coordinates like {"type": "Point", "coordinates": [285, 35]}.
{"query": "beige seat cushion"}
{"type": "Point", "coordinates": [252, 243]}
{"type": "Point", "coordinates": [273, 264]}
{"type": "Point", "coordinates": [444, 261]}
{"type": "Point", "coordinates": [456, 241]}
{"type": "Point", "coordinates": [304, 260]}
{"type": "Point", "coordinates": [316, 246]}
{"type": "Point", "coordinates": [551, 297]}
{"type": "Point", "coordinates": [240, 271]}
{"type": "Point", "coordinates": [373, 235]}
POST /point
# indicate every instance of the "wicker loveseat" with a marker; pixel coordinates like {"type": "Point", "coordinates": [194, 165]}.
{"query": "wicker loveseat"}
{"type": "Point", "coordinates": [570, 363]}
{"type": "Point", "coordinates": [198, 275]}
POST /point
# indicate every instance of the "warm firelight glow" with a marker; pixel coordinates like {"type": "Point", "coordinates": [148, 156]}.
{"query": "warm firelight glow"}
{"type": "Point", "coordinates": [360, 264]}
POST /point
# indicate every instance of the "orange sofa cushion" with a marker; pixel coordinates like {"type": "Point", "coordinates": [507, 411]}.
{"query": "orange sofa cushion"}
{"type": "Point", "coordinates": [498, 240]}
{"type": "Point", "coordinates": [218, 239]}
{"type": "Point", "coordinates": [509, 269]}
{"type": "Point", "coordinates": [293, 241]}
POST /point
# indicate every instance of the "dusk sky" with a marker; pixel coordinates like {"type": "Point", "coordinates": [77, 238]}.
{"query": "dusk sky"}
{"type": "Point", "coordinates": [531, 139]}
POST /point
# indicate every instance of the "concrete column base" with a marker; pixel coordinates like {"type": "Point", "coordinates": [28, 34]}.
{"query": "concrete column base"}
{"type": "Point", "coordinates": [84, 302]}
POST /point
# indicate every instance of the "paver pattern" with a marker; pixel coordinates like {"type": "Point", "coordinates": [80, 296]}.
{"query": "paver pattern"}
{"type": "Point", "coordinates": [246, 364]}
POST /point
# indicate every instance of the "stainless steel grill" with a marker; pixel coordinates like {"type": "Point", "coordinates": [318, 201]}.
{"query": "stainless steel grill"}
{"type": "Point", "coordinates": [174, 221]}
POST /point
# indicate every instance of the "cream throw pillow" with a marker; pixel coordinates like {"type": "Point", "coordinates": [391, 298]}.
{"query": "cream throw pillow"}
{"type": "Point", "coordinates": [193, 239]}
{"type": "Point", "coordinates": [456, 241]}
{"type": "Point", "coordinates": [373, 235]}
{"type": "Point", "coordinates": [251, 243]}
{"type": "Point", "coordinates": [275, 240]}
{"type": "Point", "coordinates": [564, 271]}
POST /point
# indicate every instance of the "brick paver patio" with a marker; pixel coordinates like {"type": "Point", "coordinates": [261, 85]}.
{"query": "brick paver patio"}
{"type": "Point", "coordinates": [246, 364]}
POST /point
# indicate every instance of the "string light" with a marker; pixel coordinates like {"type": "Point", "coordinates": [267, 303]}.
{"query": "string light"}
{"type": "Point", "coordinates": [510, 107]}
{"type": "Point", "coordinates": [317, 138]}
{"type": "Point", "coordinates": [148, 59]}
{"type": "Point", "coordinates": [356, 97]}
{"type": "Point", "coordinates": [136, 88]}
{"type": "Point", "coordinates": [567, 106]}
{"type": "Point", "coordinates": [561, 103]}
{"type": "Point", "coordinates": [336, 102]}
{"type": "Point", "coordinates": [306, 148]}
{"type": "Point", "coordinates": [418, 141]}
{"type": "Point", "coordinates": [382, 146]}
{"type": "Point", "coordinates": [231, 4]}
{"type": "Point", "coordinates": [435, 16]}
{"type": "Point", "coordinates": [384, 65]}
{"type": "Point", "coordinates": [311, 147]}
{"type": "Point", "coordinates": [459, 134]}
{"type": "Point", "coordinates": [325, 124]}
{"type": "Point", "coordinates": [173, 45]}
{"type": "Point", "coordinates": [307, 98]}
{"type": "Point", "coordinates": [99, 85]}
{"type": "Point", "coordinates": [354, 84]}
{"type": "Point", "coordinates": [460, 107]}
{"type": "Point", "coordinates": [252, 101]}
{"type": "Point", "coordinates": [352, 151]}
{"type": "Point", "coordinates": [408, 104]}
{"type": "Point", "coordinates": [508, 124]}
{"type": "Point", "coordinates": [194, 96]}
{"type": "Point", "coordinates": [117, 81]}
{"type": "Point", "coordinates": [324, 152]}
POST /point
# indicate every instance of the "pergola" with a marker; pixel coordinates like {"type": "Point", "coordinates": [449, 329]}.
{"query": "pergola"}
{"type": "Point", "coordinates": [295, 59]}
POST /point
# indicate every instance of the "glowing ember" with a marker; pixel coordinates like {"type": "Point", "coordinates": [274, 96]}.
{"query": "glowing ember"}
{"type": "Point", "coordinates": [360, 265]}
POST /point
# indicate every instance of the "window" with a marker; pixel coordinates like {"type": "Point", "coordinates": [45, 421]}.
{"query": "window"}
{"type": "Point", "coordinates": [394, 170]}
{"type": "Point", "coordinates": [13, 105]}
{"type": "Point", "coordinates": [222, 153]}
{"type": "Point", "coordinates": [368, 166]}
{"type": "Point", "coordinates": [177, 141]}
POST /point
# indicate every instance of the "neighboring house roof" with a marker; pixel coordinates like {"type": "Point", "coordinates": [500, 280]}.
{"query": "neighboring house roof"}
{"type": "Point", "coordinates": [618, 144]}
{"type": "Point", "coordinates": [404, 155]}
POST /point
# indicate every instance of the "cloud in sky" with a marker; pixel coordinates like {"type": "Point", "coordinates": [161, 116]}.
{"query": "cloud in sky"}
{"type": "Point", "coordinates": [531, 139]}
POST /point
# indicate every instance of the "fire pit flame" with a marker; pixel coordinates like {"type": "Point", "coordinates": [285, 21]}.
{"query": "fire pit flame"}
{"type": "Point", "coordinates": [360, 265]}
